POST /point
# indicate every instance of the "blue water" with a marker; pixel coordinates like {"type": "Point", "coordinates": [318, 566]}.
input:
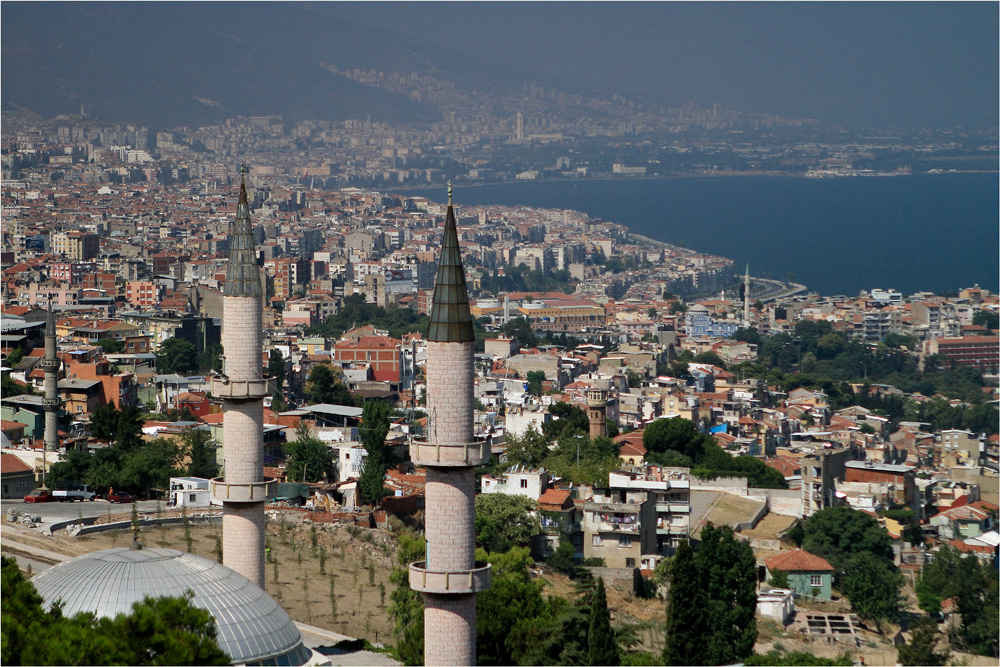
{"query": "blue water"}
{"type": "Point", "coordinates": [837, 236]}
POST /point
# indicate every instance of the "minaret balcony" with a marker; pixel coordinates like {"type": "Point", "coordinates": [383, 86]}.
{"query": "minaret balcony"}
{"type": "Point", "coordinates": [239, 390]}
{"type": "Point", "coordinates": [243, 492]}
{"type": "Point", "coordinates": [51, 402]}
{"type": "Point", "coordinates": [49, 365]}
{"type": "Point", "coordinates": [458, 582]}
{"type": "Point", "coordinates": [449, 455]}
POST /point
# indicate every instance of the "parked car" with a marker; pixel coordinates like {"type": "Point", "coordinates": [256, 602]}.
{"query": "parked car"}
{"type": "Point", "coordinates": [40, 496]}
{"type": "Point", "coordinates": [120, 497]}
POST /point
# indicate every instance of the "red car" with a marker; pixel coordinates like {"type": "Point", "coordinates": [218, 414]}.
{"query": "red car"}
{"type": "Point", "coordinates": [120, 497]}
{"type": "Point", "coordinates": [39, 496]}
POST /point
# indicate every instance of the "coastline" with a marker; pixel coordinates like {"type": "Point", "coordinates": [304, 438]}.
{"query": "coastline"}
{"type": "Point", "coordinates": [678, 177]}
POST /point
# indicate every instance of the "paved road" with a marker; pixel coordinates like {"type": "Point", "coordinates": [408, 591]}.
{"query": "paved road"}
{"type": "Point", "coordinates": [55, 512]}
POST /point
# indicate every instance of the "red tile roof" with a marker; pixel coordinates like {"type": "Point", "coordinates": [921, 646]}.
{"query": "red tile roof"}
{"type": "Point", "coordinates": [10, 464]}
{"type": "Point", "coordinates": [798, 561]}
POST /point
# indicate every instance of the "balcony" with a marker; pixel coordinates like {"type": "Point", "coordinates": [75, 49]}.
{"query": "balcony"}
{"type": "Point", "coordinates": [466, 581]}
{"type": "Point", "coordinates": [449, 455]}
{"type": "Point", "coordinates": [673, 508]}
{"type": "Point", "coordinates": [606, 526]}
{"type": "Point", "coordinates": [239, 390]}
{"type": "Point", "coordinates": [627, 508]}
{"type": "Point", "coordinates": [247, 492]}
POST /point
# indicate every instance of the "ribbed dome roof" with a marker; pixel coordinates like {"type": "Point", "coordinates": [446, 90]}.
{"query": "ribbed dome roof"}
{"type": "Point", "coordinates": [252, 627]}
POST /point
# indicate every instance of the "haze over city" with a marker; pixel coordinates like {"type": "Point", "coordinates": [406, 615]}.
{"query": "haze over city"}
{"type": "Point", "coordinates": [499, 333]}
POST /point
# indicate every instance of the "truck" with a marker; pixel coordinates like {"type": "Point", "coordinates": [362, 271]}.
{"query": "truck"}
{"type": "Point", "coordinates": [74, 493]}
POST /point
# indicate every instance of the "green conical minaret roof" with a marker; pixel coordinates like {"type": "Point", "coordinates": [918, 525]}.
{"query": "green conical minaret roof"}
{"type": "Point", "coordinates": [451, 321]}
{"type": "Point", "coordinates": [242, 274]}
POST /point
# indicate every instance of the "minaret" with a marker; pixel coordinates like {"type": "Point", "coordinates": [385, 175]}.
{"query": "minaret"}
{"type": "Point", "coordinates": [51, 402]}
{"type": "Point", "coordinates": [746, 298]}
{"type": "Point", "coordinates": [242, 489]}
{"type": "Point", "coordinates": [450, 577]}
{"type": "Point", "coordinates": [597, 411]}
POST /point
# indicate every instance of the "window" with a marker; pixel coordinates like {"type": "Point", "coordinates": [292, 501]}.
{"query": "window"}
{"type": "Point", "coordinates": [598, 541]}
{"type": "Point", "coordinates": [625, 541]}
{"type": "Point", "coordinates": [815, 580]}
{"type": "Point", "coordinates": [191, 497]}
{"type": "Point", "coordinates": [629, 562]}
{"type": "Point", "coordinates": [524, 483]}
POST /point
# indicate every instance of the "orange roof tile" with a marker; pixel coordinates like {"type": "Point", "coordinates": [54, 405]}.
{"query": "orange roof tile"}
{"type": "Point", "coordinates": [798, 561]}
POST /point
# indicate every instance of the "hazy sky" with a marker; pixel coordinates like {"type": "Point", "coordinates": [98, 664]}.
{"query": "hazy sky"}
{"type": "Point", "coordinates": [854, 62]}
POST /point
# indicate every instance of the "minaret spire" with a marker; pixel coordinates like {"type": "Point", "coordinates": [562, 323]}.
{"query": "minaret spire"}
{"type": "Point", "coordinates": [50, 366]}
{"type": "Point", "coordinates": [242, 273]}
{"type": "Point", "coordinates": [450, 320]}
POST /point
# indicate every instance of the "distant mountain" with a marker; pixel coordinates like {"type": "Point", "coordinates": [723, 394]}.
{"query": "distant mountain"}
{"type": "Point", "coordinates": [170, 64]}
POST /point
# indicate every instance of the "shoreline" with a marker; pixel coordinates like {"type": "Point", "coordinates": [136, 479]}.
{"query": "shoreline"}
{"type": "Point", "coordinates": [678, 177]}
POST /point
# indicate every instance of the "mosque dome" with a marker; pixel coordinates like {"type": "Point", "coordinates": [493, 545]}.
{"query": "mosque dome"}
{"type": "Point", "coordinates": [252, 628]}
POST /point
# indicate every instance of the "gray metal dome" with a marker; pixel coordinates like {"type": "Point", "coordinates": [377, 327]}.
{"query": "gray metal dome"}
{"type": "Point", "coordinates": [252, 627]}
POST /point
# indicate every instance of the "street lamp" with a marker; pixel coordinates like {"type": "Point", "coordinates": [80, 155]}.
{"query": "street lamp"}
{"type": "Point", "coordinates": [578, 439]}
{"type": "Point", "coordinates": [866, 368]}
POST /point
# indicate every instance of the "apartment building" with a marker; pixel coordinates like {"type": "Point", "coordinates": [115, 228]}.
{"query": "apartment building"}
{"type": "Point", "coordinates": [619, 526]}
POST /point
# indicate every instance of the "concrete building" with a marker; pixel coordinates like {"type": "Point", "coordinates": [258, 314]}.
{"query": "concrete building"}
{"type": "Point", "coordinates": [451, 576]}
{"type": "Point", "coordinates": [670, 489]}
{"type": "Point", "coordinates": [242, 489]}
{"type": "Point", "coordinates": [618, 526]}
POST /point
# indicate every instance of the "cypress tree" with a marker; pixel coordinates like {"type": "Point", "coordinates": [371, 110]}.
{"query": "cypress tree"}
{"type": "Point", "coordinates": [727, 570]}
{"type": "Point", "coordinates": [600, 637]}
{"type": "Point", "coordinates": [685, 636]}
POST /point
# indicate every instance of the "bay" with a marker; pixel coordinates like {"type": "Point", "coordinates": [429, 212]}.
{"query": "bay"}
{"type": "Point", "coordinates": [933, 232]}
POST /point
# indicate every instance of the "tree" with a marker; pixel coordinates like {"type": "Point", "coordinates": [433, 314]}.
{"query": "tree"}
{"type": "Point", "coordinates": [307, 458]}
{"type": "Point", "coordinates": [796, 659]}
{"type": "Point", "coordinates": [873, 587]}
{"type": "Point", "coordinates": [371, 479]}
{"type": "Point", "coordinates": [276, 370]}
{"type": "Point", "coordinates": [924, 638]}
{"type": "Point", "coordinates": [677, 434]}
{"type": "Point", "coordinates": [161, 631]}
{"type": "Point", "coordinates": [520, 328]}
{"type": "Point", "coordinates": [407, 608]}
{"type": "Point", "coordinates": [987, 318]}
{"type": "Point", "coordinates": [374, 427]}
{"type": "Point", "coordinates": [111, 345]}
{"type": "Point", "coordinates": [535, 380]}
{"type": "Point", "coordinates": [837, 534]}
{"type": "Point", "coordinates": [710, 358]}
{"type": "Point", "coordinates": [778, 579]}
{"type": "Point", "coordinates": [503, 521]}
{"type": "Point", "coordinates": [570, 418]}
{"type": "Point", "coordinates": [104, 422]}
{"type": "Point", "coordinates": [686, 625]}
{"type": "Point", "coordinates": [973, 585]}
{"type": "Point", "coordinates": [210, 359]}
{"type": "Point", "coordinates": [530, 448]}
{"type": "Point", "coordinates": [602, 649]}
{"type": "Point", "coordinates": [176, 355]}
{"type": "Point", "coordinates": [200, 448]}
{"type": "Point", "coordinates": [728, 571]}
{"type": "Point", "coordinates": [513, 598]}
{"type": "Point", "coordinates": [324, 387]}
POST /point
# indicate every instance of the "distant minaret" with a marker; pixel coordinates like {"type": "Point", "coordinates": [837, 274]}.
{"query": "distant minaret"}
{"type": "Point", "coordinates": [519, 127]}
{"type": "Point", "coordinates": [51, 401]}
{"type": "Point", "coordinates": [242, 489]}
{"type": "Point", "coordinates": [597, 411]}
{"type": "Point", "coordinates": [746, 298]}
{"type": "Point", "coordinates": [450, 577]}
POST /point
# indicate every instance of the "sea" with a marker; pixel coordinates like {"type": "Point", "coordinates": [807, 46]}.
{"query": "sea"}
{"type": "Point", "coordinates": [925, 232]}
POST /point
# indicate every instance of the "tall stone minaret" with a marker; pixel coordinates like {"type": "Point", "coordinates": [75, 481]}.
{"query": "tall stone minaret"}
{"type": "Point", "coordinates": [450, 577]}
{"type": "Point", "coordinates": [746, 298]}
{"type": "Point", "coordinates": [242, 489]}
{"type": "Point", "coordinates": [51, 401]}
